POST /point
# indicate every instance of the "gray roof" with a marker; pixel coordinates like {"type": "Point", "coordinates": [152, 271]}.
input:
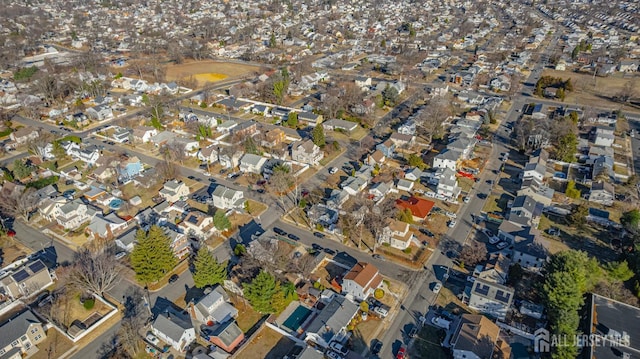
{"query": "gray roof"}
{"type": "Point", "coordinates": [251, 159]}
{"type": "Point", "coordinates": [611, 316]}
{"type": "Point", "coordinates": [224, 192]}
{"type": "Point", "coordinates": [227, 332]}
{"type": "Point", "coordinates": [449, 154]}
{"type": "Point", "coordinates": [493, 291]}
{"type": "Point", "coordinates": [218, 312]}
{"type": "Point", "coordinates": [172, 324]}
{"type": "Point", "coordinates": [16, 327]}
{"type": "Point", "coordinates": [128, 237]}
{"type": "Point", "coordinates": [533, 246]}
{"type": "Point", "coordinates": [333, 317]}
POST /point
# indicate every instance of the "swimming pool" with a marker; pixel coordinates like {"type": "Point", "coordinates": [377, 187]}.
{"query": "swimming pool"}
{"type": "Point", "coordinates": [297, 318]}
{"type": "Point", "coordinates": [115, 203]}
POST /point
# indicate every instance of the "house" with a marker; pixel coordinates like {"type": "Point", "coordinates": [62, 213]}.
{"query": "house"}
{"type": "Point", "coordinates": [360, 282]}
{"type": "Point", "coordinates": [105, 226]}
{"type": "Point", "coordinates": [226, 198]}
{"type": "Point", "coordinates": [535, 189]}
{"type": "Point", "coordinates": [379, 190]}
{"type": "Point", "coordinates": [208, 154]}
{"type": "Point", "coordinates": [354, 185]}
{"type": "Point", "coordinates": [180, 244]}
{"type": "Point", "coordinates": [604, 136]}
{"type": "Point", "coordinates": [446, 159]}
{"type": "Point", "coordinates": [602, 192]}
{"type": "Point", "coordinates": [89, 154]}
{"type": "Point", "coordinates": [306, 152]}
{"type": "Point", "coordinates": [500, 83]}
{"type": "Point", "coordinates": [245, 129]}
{"type": "Point", "coordinates": [490, 298]}
{"type": "Point", "coordinates": [174, 190]}
{"type": "Point", "coordinates": [530, 252]}
{"type": "Point", "coordinates": [534, 170]}
{"type": "Point", "coordinates": [310, 118]}
{"type": "Point", "coordinates": [477, 337]}
{"type": "Point", "coordinates": [419, 207]}
{"type": "Point", "coordinates": [330, 323]}
{"type": "Point", "coordinates": [525, 211]}
{"type": "Point", "coordinates": [100, 112]}
{"type": "Point", "coordinates": [129, 169]}
{"type": "Point", "coordinates": [250, 163]}
{"type": "Point", "coordinates": [408, 128]}
{"type": "Point", "coordinates": [20, 335]}
{"type": "Point", "coordinates": [614, 324]}
{"type": "Point", "coordinates": [233, 104]}
{"type": "Point", "coordinates": [397, 234]}
{"type": "Point", "coordinates": [144, 133]}
{"type": "Point", "coordinates": [49, 208]}
{"type": "Point", "coordinates": [127, 240]}
{"type": "Point", "coordinates": [323, 215]}
{"type": "Point", "coordinates": [628, 65]}
{"type": "Point", "coordinates": [73, 214]}
{"type": "Point", "coordinates": [230, 161]}
{"type": "Point", "coordinates": [402, 140]}
{"type": "Point", "coordinates": [375, 158]}
{"type": "Point", "coordinates": [273, 138]}
{"type": "Point", "coordinates": [121, 135]}
{"type": "Point", "coordinates": [339, 125]}
{"type": "Point", "coordinates": [226, 336]}
{"type": "Point", "coordinates": [448, 183]}
{"type": "Point", "coordinates": [26, 280]}
{"type": "Point", "coordinates": [603, 164]}
{"type": "Point", "coordinates": [162, 138]}
{"type": "Point", "coordinates": [198, 224]}
{"type": "Point", "coordinates": [24, 135]}
{"type": "Point", "coordinates": [174, 328]}
{"type": "Point", "coordinates": [146, 178]}
{"type": "Point", "coordinates": [213, 308]}
{"type": "Point", "coordinates": [496, 269]}
{"type": "Point", "coordinates": [387, 148]}
{"type": "Point", "coordinates": [363, 82]}
{"type": "Point", "coordinates": [414, 174]}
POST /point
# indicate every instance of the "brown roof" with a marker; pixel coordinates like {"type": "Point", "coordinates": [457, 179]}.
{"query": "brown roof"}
{"type": "Point", "coordinates": [419, 207]}
{"type": "Point", "coordinates": [398, 226]}
{"type": "Point", "coordinates": [477, 334]}
{"type": "Point", "coordinates": [365, 274]}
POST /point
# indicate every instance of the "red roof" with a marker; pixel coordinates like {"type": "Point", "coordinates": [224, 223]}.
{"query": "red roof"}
{"type": "Point", "coordinates": [419, 207]}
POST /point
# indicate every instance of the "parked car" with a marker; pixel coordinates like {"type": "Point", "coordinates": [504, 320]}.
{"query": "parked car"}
{"type": "Point", "coordinates": [318, 234]}
{"type": "Point", "coordinates": [502, 245]}
{"type": "Point", "coordinates": [426, 232]}
{"type": "Point", "coordinates": [494, 240]}
{"type": "Point", "coordinates": [174, 278]}
{"type": "Point", "coordinates": [334, 355]}
{"type": "Point", "coordinates": [152, 339]}
{"type": "Point", "coordinates": [120, 255]}
{"type": "Point", "coordinates": [377, 256]}
{"type": "Point", "coordinates": [377, 346]}
{"type": "Point", "coordinates": [452, 223]}
{"type": "Point", "coordinates": [437, 287]}
{"type": "Point", "coordinates": [466, 199]}
{"type": "Point", "coordinates": [192, 178]}
{"type": "Point", "coordinates": [330, 251]}
{"type": "Point", "coordinates": [279, 231]}
{"type": "Point", "coordinates": [413, 332]}
{"type": "Point", "coordinates": [441, 322]}
{"type": "Point", "coordinates": [451, 214]}
{"type": "Point", "coordinates": [402, 353]}
{"type": "Point", "coordinates": [381, 312]}
{"type": "Point", "coordinates": [317, 247]}
{"type": "Point", "coordinates": [333, 170]}
{"type": "Point", "coordinates": [293, 236]}
{"type": "Point", "coordinates": [339, 348]}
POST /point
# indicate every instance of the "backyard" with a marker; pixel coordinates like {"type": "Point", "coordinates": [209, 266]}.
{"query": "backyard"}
{"type": "Point", "coordinates": [427, 344]}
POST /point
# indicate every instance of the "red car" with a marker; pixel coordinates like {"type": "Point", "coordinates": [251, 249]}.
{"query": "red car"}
{"type": "Point", "coordinates": [402, 353]}
{"type": "Point", "coordinates": [11, 233]}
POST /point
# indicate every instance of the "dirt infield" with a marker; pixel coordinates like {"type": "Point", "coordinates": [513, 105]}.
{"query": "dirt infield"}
{"type": "Point", "coordinates": [208, 71]}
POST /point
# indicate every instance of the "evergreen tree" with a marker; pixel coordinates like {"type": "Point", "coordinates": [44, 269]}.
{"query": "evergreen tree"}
{"type": "Point", "coordinates": [208, 271]}
{"type": "Point", "coordinates": [220, 221]}
{"type": "Point", "coordinates": [318, 135]}
{"type": "Point", "coordinates": [261, 291]}
{"type": "Point", "coordinates": [152, 257]}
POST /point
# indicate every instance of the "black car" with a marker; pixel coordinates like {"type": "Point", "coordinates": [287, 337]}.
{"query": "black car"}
{"type": "Point", "coordinates": [426, 232]}
{"type": "Point", "coordinates": [413, 332]}
{"type": "Point", "coordinates": [377, 347]}
{"type": "Point", "coordinates": [293, 236]}
{"type": "Point", "coordinates": [212, 179]}
{"type": "Point", "coordinates": [316, 246]}
{"type": "Point", "coordinates": [191, 177]}
{"type": "Point", "coordinates": [318, 234]}
{"type": "Point", "coordinates": [330, 251]}
{"type": "Point", "coordinates": [174, 278]}
{"type": "Point", "coordinates": [279, 231]}
{"type": "Point", "coordinates": [260, 190]}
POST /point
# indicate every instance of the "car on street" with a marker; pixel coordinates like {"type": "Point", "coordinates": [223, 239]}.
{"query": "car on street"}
{"type": "Point", "coordinates": [212, 179]}
{"type": "Point", "coordinates": [489, 181]}
{"type": "Point", "coordinates": [451, 214]}
{"type": "Point", "coordinates": [193, 178]}
{"type": "Point", "coordinates": [413, 332]}
{"type": "Point", "coordinates": [377, 346]}
{"type": "Point", "coordinates": [318, 234]}
{"type": "Point", "coordinates": [466, 199]}
{"type": "Point", "coordinates": [317, 247]}
{"type": "Point", "coordinates": [330, 251]}
{"type": "Point", "coordinates": [293, 236]}
{"type": "Point", "coordinates": [502, 245]}
{"type": "Point", "coordinates": [402, 353]}
{"type": "Point", "coordinates": [426, 232]}
{"type": "Point", "coordinates": [381, 312]}
{"type": "Point", "coordinates": [377, 256]}
{"type": "Point", "coordinates": [333, 170]}
{"type": "Point", "coordinates": [437, 287]}
{"type": "Point", "coordinates": [279, 231]}
{"type": "Point", "coordinates": [452, 223]}
{"type": "Point", "coordinates": [174, 278]}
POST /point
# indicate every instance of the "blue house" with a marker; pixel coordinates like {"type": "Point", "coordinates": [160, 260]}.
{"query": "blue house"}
{"type": "Point", "coordinates": [129, 169]}
{"type": "Point", "coordinates": [387, 148]}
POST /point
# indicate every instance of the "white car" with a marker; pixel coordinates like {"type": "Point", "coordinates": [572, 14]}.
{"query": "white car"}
{"type": "Point", "coordinates": [502, 245]}
{"type": "Point", "coordinates": [339, 348]}
{"type": "Point", "coordinates": [451, 215]}
{"type": "Point", "coordinates": [333, 170]}
{"type": "Point", "coordinates": [437, 287]}
{"type": "Point", "coordinates": [452, 223]}
{"type": "Point", "coordinates": [466, 199]}
{"type": "Point", "coordinates": [333, 355]}
{"type": "Point", "coordinates": [494, 240]}
{"type": "Point", "coordinates": [382, 312]}
{"type": "Point", "coordinates": [152, 339]}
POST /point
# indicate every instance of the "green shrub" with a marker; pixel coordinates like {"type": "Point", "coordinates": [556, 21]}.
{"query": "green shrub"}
{"type": "Point", "coordinates": [407, 250]}
{"type": "Point", "coordinates": [89, 303]}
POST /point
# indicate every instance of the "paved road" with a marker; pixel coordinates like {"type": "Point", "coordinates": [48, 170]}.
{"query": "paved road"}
{"type": "Point", "coordinates": [56, 252]}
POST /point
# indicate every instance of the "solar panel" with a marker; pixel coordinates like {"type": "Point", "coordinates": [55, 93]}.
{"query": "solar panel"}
{"type": "Point", "coordinates": [482, 289]}
{"type": "Point", "coordinates": [20, 276]}
{"type": "Point", "coordinates": [502, 296]}
{"type": "Point", "coordinates": [37, 267]}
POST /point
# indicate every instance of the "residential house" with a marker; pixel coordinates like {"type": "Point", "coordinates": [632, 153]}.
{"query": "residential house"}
{"type": "Point", "coordinates": [105, 227]}
{"type": "Point", "coordinates": [337, 198]}
{"type": "Point", "coordinates": [446, 159]}
{"type": "Point", "coordinates": [496, 269]}
{"type": "Point", "coordinates": [144, 133]}
{"type": "Point", "coordinates": [26, 280]}
{"type": "Point", "coordinates": [448, 183]}
{"type": "Point", "coordinates": [174, 190]}
{"type": "Point", "coordinates": [162, 138]}
{"type": "Point", "coordinates": [534, 170]}
{"type": "Point", "coordinates": [375, 158]}
{"type": "Point", "coordinates": [604, 136]}
{"type": "Point", "coordinates": [379, 190]}
{"type": "Point", "coordinates": [462, 145]}
{"type": "Point", "coordinates": [129, 169]}
{"type": "Point", "coordinates": [408, 128]}
{"type": "Point", "coordinates": [174, 328]}
{"type": "Point", "coordinates": [233, 104]}
{"type": "Point", "coordinates": [273, 138]}
{"type": "Point", "coordinates": [213, 308]}
{"type": "Point", "coordinates": [330, 323]}
{"type": "Point", "coordinates": [354, 185]}
{"type": "Point", "coordinates": [245, 129]}
{"type": "Point", "coordinates": [73, 214]}
{"type": "Point", "coordinates": [310, 118]}
{"type": "Point", "coordinates": [628, 65]}
{"type": "Point", "coordinates": [500, 83]}
{"type": "Point", "coordinates": [603, 165]}
{"type": "Point", "coordinates": [49, 208]}
{"type": "Point", "coordinates": [226, 198]}
{"type": "Point", "coordinates": [525, 211]}
{"type": "Point", "coordinates": [306, 152]}
{"type": "Point", "coordinates": [530, 252]}
{"type": "Point", "coordinates": [602, 192]}
{"type": "Point", "coordinates": [127, 240]}
{"type": "Point", "coordinates": [340, 125]}
{"type": "Point", "coordinates": [226, 336]}
{"type": "Point", "coordinates": [535, 189]}
{"type": "Point", "coordinates": [121, 135]}
{"type": "Point", "coordinates": [323, 215]}
{"type": "Point", "coordinates": [363, 82]}
{"type": "Point", "coordinates": [100, 112]}
{"type": "Point", "coordinates": [419, 207]}
{"type": "Point", "coordinates": [208, 154]}
{"type": "Point", "coordinates": [230, 161]}
{"type": "Point", "coordinates": [180, 243]}
{"type": "Point", "coordinates": [227, 126]}
{"type": "Point", "coordinates": [397, 234]}
{"type": "Point", "coordinates": [20, 335]}
{"type": "Point", "coordinates": [250, 163]}
{"type": "Point", "coordinates": [490, 298]}
{"type": "Point", "coordinates": [89, 154]}
{"type": "Point", "coordinates": [414, 174]}
{"type": "Point", "coordinates": [360, 282]}
{"type": "Point", "coordinates": [146, 178]}
{"type": "Point", "coordinates": [198, 224]}
{"type": "Point", "coordinates": [477, 337]}
{"type": "Point", "coordinates": [387, 148]}
{"type": "Point", "coordinates": [402, 140]}
{"type": "Point", "coordinates": [24, 135]}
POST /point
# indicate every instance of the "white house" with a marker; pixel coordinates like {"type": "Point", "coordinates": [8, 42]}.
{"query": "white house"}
{"type": "Point", "coordinates": [208, 154]}
{"type": "Point", "coordinates": [397, 234]}
{"type": "Point", "coordinates": [602, 192]}
{"type": "Point", "coordinates": [73, 214]}
{"type": "Point", "coordinates": [89, 155]}
{"type": "Point", "coordinates": [198, 224]}
{"type": "Point", "coordinates": [144, 133]}
{"type": "Point", "coordinates": [446, 159]}
{"type": "Point", "coordinates": [306, 152]}
{"type": "Point", "coordinates": [361, 281]}
{"type": "Point", "coordinates": [100, 112]}
{"type": "Point", "coordinates": [227, 198]}
{"type": "Point", "coordinates": [490, 298]}
{"type": "Point", "coordinates": [250, 163]}
{"type": "Point", "coordinates": [213, 308]}
{"type": "Point", "coordinates": [448, 183]}
{"type": "Point", "coordinates": [174, 191]}
{"type": "Point", "coordinates": [174, 329]}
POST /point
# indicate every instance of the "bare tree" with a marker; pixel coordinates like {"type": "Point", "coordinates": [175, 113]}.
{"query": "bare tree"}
{"type": "Point", "coordinates": [38, 146]}
{"type": "Point", "coordinates": [281, 183]}
{"type": "Point", "coordinates": [166, 170]}
{"type": "Point", "coordinates": [473, 253]}
{"type": "Point", "coordinates": [96, 270]}
{"type": "Point", "coordinates": [175, 151]}
{"type": "Point", "coordinates": [19, 205]}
